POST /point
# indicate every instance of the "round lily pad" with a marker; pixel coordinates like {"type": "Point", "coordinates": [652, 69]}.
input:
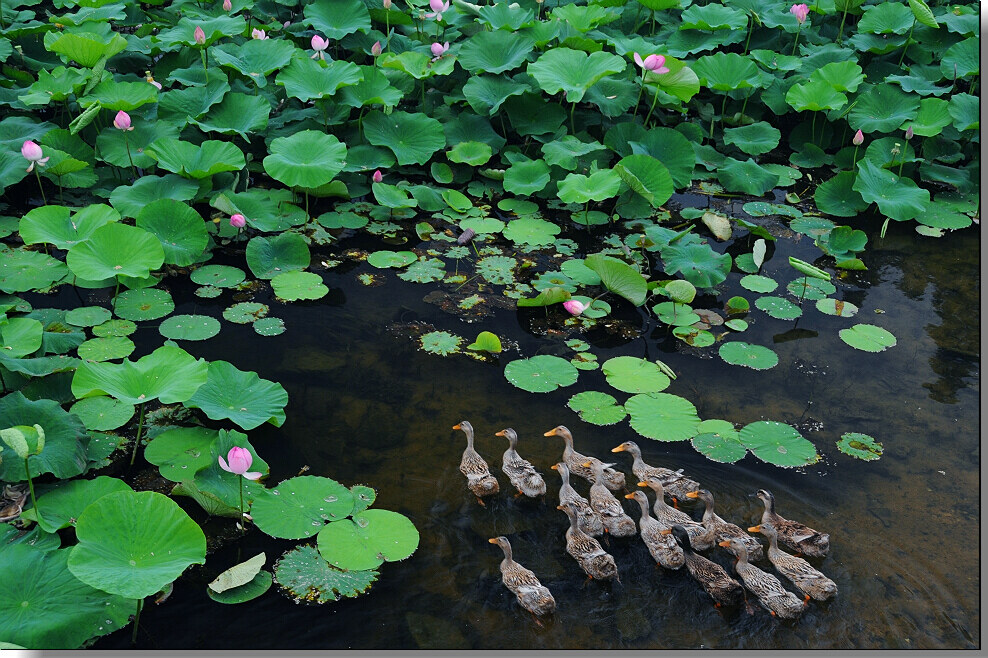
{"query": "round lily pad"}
{"type": "Point", "coordinates": [220, 276]}
{"type": "Point", "coordinates": [585, 361]}
{"type": "Point", "coordinates": [836, 307]}
{"type": "Point", "coordinates": [386, 259]}
{"type": "Point", "coordinates": [719, 441]}
{"type": "Point", "coordinates": [868, 337]}
{"type": "Point", "coordinates": [811, 288]}
{"type": "Point", "coordinates": [269, 326]}
{"type": "Point", "coordinates": [295, 285]}
{"type": "Point", "coordinates": [736, 324]}
{"type": "Point", "coordinates": [597, 408]}
{"type": "Point", "coordinates": [368, 539]}
{"type": "Point", "coordinates": [105, 349]}
{"type": "Point", "coordinates": [751, 356]}
{"type": "Point", "coordinates": [301, 506]}
{"type": "Point", "coordinates": [694, 337]}
{"type": "Point", "coordinates": [88, 316]}
{"type": "Point", "coordinates": [442, 343]}
{"type": "Point", "coordinates": [102, 412]}
{"type": "Point", "coordinates": [249, 591]}
{"type": "Point", "coordinates": [541, 374]}
{"type": "Point", "coordinates": [758, 283]}
{"type": "Point", "coordinates": [498, 270]}
{"type": "Point", "coordinates": [304, 575]}
{"type": "Point", "coordinates": [245, 312]}
{"type": "Point", "coordinates": [208, 292]}
{"type": "Point", "coordinates": [676, 315]}
{"type": "Point", "coordinates": [633, 375]}
{"type": "Point", "coordinates": [189, 327]}
{"type": "Point", "coordinates": [778, 307]}
{"type": "Point", "coordinates": [144, 304]}
{"type": "Point", "coordinates": [737, 305]}
{"type": "Point", "coordinates": [778, 443]}
{"type": "Point", "coordinates": [860, 446]}
{"type": "Point", "coordinates": [746, 263]}
{"type": "Point", "coordinates": [115, 328]}
{"type": "Point", "coordinates": [662, 416]}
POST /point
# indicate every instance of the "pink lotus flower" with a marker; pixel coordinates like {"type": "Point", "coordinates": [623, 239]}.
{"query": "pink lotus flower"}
{"type": "Point", "coordinates": [238, 221]}
{"type": "Point", "coordinates": [377, 176]}
{"type": "Point", "coordinates": [122, 121]}
{"type": "Point", "coordinates": [653, 63]}
{"type": "Point", "coordinates": [258, 34]}
{"type": "Point", "coordinates": [239, 460]}
{"type": "Point", "coordinates": [199, 35]}
{"type": "Point", "coordinates": [376, 49]}
{"type": "Point", "coordinates": [227, 5]}
{"type": "Point", "coordinates": [858, 138]}
{"type": "Point", "coordinates": [800, 11]}
{"type": "Point", "coordinates": [32, 153]}
{"type": "Point", "coordinates": [319, 45]}
{"type": "Point", "coordinates": [438, 7]}
{"type": "Point", "coordinates": [386, 4]}
{"type": "Point", "coordinates": [574, 307]}
{"type": "Point", "coordinates": [438, 50]}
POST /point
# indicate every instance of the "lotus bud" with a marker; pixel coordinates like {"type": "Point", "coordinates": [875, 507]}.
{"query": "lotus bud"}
{"type": "Point", "coordinates": [438, 49]}
{"type": "Point", "coordinates": [122, 121]}
{"type": "Point", "coordinates": [286, 24]}
{"type": "Point", "coordinates": [377, 176]}
{"type": "Point", "coordinates": [909, 133]}
{"type": "Point", "coordinates": [574, 307]}
{"type": "Point", "coordinates": [858, 138]}
{"type": "Point", "coordinates": [32, 152]}
{"type": "Point", "coordinates": [319, 45]}
{"type": "Point", "coordinates": [238, 221]}
{"type": "Point", "coordinates": [376, 49]}
{"type": "Point", "coordinates": [199, 35]}
{"type": "Point", "coordinates": [386, 4]}
{"type": "Point", "coordinates": [800, 11]}
{"type": "Point", "coordinates": [654, 63]}
{"type": "Point", "coordinates": [227, 5]}
{"type": "Point", "coordinates": [466, 236]}
{"type": "Point", "coordinates": [258, 34]}
{"type": "Point", "coordinates": [237, 461]}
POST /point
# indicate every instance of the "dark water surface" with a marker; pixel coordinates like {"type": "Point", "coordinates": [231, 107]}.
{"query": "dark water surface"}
{"type": "Point", "coordinates": [368, 407]}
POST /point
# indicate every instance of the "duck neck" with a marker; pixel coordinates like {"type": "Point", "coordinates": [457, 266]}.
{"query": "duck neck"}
{"type": "Point", "coordinates": [507, 552]}
{"type": "Point", "coordinates": [564, 475]}
{"type": "Point", "coordinates": [643, 503]}
{"type": "Point", "coordinates": [773, 542]}
{"type": "Point", "coordinates": [636, 454]}
{"type": "Point", "coordinates": [708, 510]}
{"type": "Point", "coordinates": [469, 434]}
{"type": "Point", "coordinates": [512, 442]}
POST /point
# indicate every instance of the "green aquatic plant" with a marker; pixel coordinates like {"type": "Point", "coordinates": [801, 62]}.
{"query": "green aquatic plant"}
{"type": "Point", "coordinates": [26, 442]}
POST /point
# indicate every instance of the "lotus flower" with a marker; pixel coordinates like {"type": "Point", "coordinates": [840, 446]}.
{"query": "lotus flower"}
{"type": "Point", "coordinates": [909, 132]}
{"type": "Point", "coordinates": [258, 34]}
{"type": "Point", "coordinates": [377, 176]}
{"type": "Point", "coordinates": [319, 45]}
{"type": "Point", "coordinates": [237, 461]}
{"type": "Point", "coordinates": [376, 49]}
{"type": "Point", "coordinates": [574, 307]}
{"type": "Point", "coordinates": [386, 4]}
{"type": "Point", "coordinates": [122, 121]}
{"type": "Point", "coordinates": [227, 5]}
{"type": "Point", "coordinates": [800, 11]}
{"type": "Point", "coordinates": [654, 63]}
{"type": "Point", "coordinates": [858, 138]}
{"type": "Point", "coordinates": [238, 221]}
{"type": "Point", "coordinates": [438, 7]}
{"type": "Point", "coordinates": [199, 35]}
{"type": "Point", "coordinates": [32, 153]}
{"type": "Point", "coordinates": [438, 50]}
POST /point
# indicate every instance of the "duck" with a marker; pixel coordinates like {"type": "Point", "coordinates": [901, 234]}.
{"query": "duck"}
{"type": "Point", "coordinates": [531, 594]}
{"type": "Point", "coordinates": [798, 571]}
{"type": "Point", "coordinates": [668, 516]}
{"type": "Point", "coordinates": [613, 480]}
{"type": "Point", "coordinates": [616, 522]}
{"type": "Point", "coordinates": [479, 478]}
{"type": "Point", "coordinates": [587, 551]}
{"type": "Point", "coordinates": [587, 517]}
{"type": "Point", "coordinates": [792, 534]}
{"type": "Point", "coordinates": [721, 531]}
{"type": "Point", "coordinates": [721, 587]}
{"type": "Point", "coordinates": [520, 471]}
{"type": "Point", "coordinates": [675, 483]}
{"type": "Point", "coordinates": [767, 589]}
{"type": "Point", "coordinates": [664, 549]}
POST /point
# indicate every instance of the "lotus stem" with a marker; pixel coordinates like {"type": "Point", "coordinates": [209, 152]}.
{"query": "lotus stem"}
{"type": "Point", "coordinates": [137, 619]}
{"type": "Point", "coordinates": [307, 207]}
{"type": "Point", "coordinates": [243, 526]}
{"type": "Point", "coordinates": [908, 39]}
{"type": "Point", "coordinates": [655, 99]}
{"type": "Point", "coordinates": [806, 280]}
{"type": "Point", "coordinates": [641, 90]}
{"type": "Point", "coordinates": [751, 27]}
{"type": "Point", "coordinates": [387, 32]}
{"type": "Point", "coordinates": [813, 129]}
{"type": "Point", "coordinates": [901, 162]}
{"type": "Point", "coordinates": [137, 441]}
{"type": "Point", "coordinates": [40, 186]}
{"type": "Point", "coordinates": [133, 169]}
{"type": "Point", "coordinates": [30, 485]}
{"type": "Point", "coordinates": [854, 160]}
{"type": "Point", "coordinates": [115, 291]}
{"type": "Point", "coordinates": [205, 67]}
{"type": "Point", "coordinates": [796, 42]}
{"type": "Point", "coordinates": [572, 108]}
{"type": "Point", "coordinates": [744, 105]}
{"type": "Point", "coordinates": [652, 33]}
{"type": "Point", "coordinates": [843, 17]}
{"type": "Point", "coordinates": [3, 382]}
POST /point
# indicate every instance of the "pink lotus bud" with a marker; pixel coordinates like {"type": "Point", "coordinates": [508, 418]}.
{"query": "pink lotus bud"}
{"type": "Point", "coordinates": [909, 132]}
{"type": "Point", "coordinates": [386, 4]}
{"type": "Point", "coordinates": [227, 5]}
{"type": "Point", "coordinates": [574, 307]}
{"type": "Point", "coordinates": [377, 177]}
{"type": "Point", "coordinates": [199, 35]}
{"type": "Point", "coordinates": [258, 34]}
{"type": "Point", "coordinates": [286, 24]}
{"type": "Point", "coordinates": [858, 138]}
{"type": "Point", "coordinates": [438, 49]}
{"type": "Point", "coordinates": [238, 221]}
{"type": "Point", "coordinates": [654, 63]}
{"type": "Point", "coordinates": [376, 49]}
{"type": "Point", "coordinates": [32, 153]}
{"type": "Point", "coordinates": [466, 236]}
{"type": "Point", "coordinates": [122, 121]}
{"type": "Point", "coordinates": [800, 12]}
{"type": "Point", "coordinates": [319, 45]}
{"type": "Point", "coordinates": [238, 460]}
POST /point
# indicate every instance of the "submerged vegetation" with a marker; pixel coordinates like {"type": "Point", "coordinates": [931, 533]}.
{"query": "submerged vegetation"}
{"type": "Point", "coordinates": [506, 155]}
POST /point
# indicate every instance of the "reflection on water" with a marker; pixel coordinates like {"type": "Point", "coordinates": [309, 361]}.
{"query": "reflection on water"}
{"type": "Point", "coordinates": [369, 408]}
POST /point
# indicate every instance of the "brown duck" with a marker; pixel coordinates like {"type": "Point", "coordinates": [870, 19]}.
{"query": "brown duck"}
{"type": "Point", "coordinates": [587, 551]}
{"type": "Point", "coordinates": [807, 580]}
{"type": "Point", "coordinates": [613, 480]}
{"type": "Point", "coordinates": [587, 517]}
{"type": "Point", "coordinates": [793, 534]}
{"type": "Point", "coordinates": [479, 478]}
{"type": "Point", "coordinates": [720, 531]}
{"type": "Point", "coordinates": [675, 483]}
{"type": "Point", "coordinates": [711, 576]}
{"type": "Point", "coordinates": [520, 471]}
{"type": "Point", "coordinates": [531, 594]}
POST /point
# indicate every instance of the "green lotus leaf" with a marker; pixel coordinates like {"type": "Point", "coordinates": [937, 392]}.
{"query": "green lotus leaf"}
{"type": "Point", "coordinates": [748, 177]}
{"type": "Point", "coordinates": [189, 327]}
{"type": "Point", "coordinates": [236, 114]}
{"type": "Point", "coordinates": [619, 277]}
{"type": "Point", "coordinates": [868, 338]}
{"type": "Point", "coordinates": [932, 118]}
{"type": "Point", "coordinates": [494, 52]}
{"type": "Point", "coordinates": [88, 316]}
{"type": "Point", "coordinates": [180, 106]}
{"type": "Point", "coordinates": [698, 263]}
{"type": "Point", "coordinates": [883, 108]}
{"type": "Point", "coordinates": [306, 159]}
{"type": "Point", "coordinates": [391, 259]}
{"type": "Point", "coordinates": [486, 342]}
{"type": "Point", "coordinates": [63, 453]}
{"type": "Point", "coordinates": [64, 504]}
{"type": "Point", "coordinates": [196, 161]}
{"type": "Point", "coordinates": [238, 575]}
{"type": "Point", "coordinates": [255, 58]}
{"type": "Point", "coordinates": [216, 490]}
{"type": "Point", "coordinates": [20, 336]}
{"type": "Point", "coordinates": [923, 14]}
{"type": "Point", "coordinates": [526, 178]}
{"type": "Point", "coordinates": [269, 257]}
{"type": "Point", "coordinates": [860, 446]}
{"type": "Point", "coordinates": [633, 375]}
{"type": "Point", "coordinates": [442, 343]}
{"type": "Point", "coordinates": [374, 89]}
{"type": "Point", "coordinates": [756, 357]}
{"type": "Point", "coordinates": [726, 72]}
{"type": "Point", "coordinates": [815, 96]}
{"type": "Point", "coordinates": [965, 56]}
{"type": "Point", "coordinates": [392, 196]}
{"type": "Point", "coordinates": [301, 506]}
{"type": "Point", "coordinates": [665, 144]}
{"type": "Point", "coordinates": [572, 71]}
{"type": "Point", "coordinates": [501, 16]}
{"type": "Point", "coordinates": [106, 349]}
{"type": "Point", "coordinates": [897, 197]}
{"type": "Point", "coordinates": [838, 197]}
{"type": "Point", "coordinates": [841, 76]}
{"type": "Point", "coordinates": [265, 209]}
{"type": "Point", "coordinates": [249, 591]}
{"type": "Point", "coordinates": [335, 19]}
{"type": "Point", "coordinates": [115, 96]}
{"type": "Point", "coordinates": [368, 540]}
{"type": "Point", "coordinates": [144, 304]}
{"type": "Point", "coordinates": [531, 231]}
{"type": "Point", "coordinates": [31, 617]}
{"type": "Point", "coordinates": [645, 175]}
{"type": "Point", "coordinates": [222, 276]}
{"type": "Point", "coordinates": [115, 250]}
{"type": "Point", "coordinates": [178, 227]}
{"type": "Point", "coordinates": [416, 64]}
{"type": "Point", "coordinates": [424, 270]}
{"type": "Point", "coordinates": [778, 444]}
{"type": "Point", "coordinates": [719, 441]}
{"type": "Point", "coordinates": [102, 413]}
{"type": "Point", "coordinates": [713, 17]}
{"type": "Point", "coordinates": [129, 199]}
{"type": "Point", "coordinates": [597, 408]}
{"type": "Point", "coordinates": [169, 374]}
{"type": "Point", "coordinates": [181, 452]}
{"type": "Point", "coordinates": [541, 374]}
{"type": "Point", "coordinates": [87, 48]}
{"type": "Point", "coordinates": [807, 269]}
{"type": "Point", "coordinates": [307, 79]}
{"type": "Point", "coordinates": [413, 138]}
{"type": "Point", "coordinates": [214, 27]}
{"type": "Point", "coordinates": [486, 93]}
{"type": "Point", "coordinates": [964, 110]}
{"type": "Point", "coordinates": [601, 185]}
{"type": "Point", "coordinates": [758, 283]}
{"type": "Point", "coordinates": [813, 289]}
{"type": "Point", "coordinates": [676, 315]}
{"type": "Point", "coordinates": [471, 153]}
{"type": "Point", "coordinates": [53, 225]}
{"type": "Point", "coordinates": [887, 18]}
{"type": "Point", "coordinates": [736, 324]}
{"type": "Point", "coordinates": [243, 397]}
{"type": "Point", "coordinates": [778, 308]}
{"type": "Point", "coordinates": [135, 543]}
{"type": "Point", "coordinates": [305, 575]}
{"type": "Point", "coordinates": [292, 286]}
{"type": "Point", "coordinates": [836, 307]}
{"type": "Point", "coordinates": [547, 297]}
{"type": "Point", "coordinates": [21, 271]}
{"type": "Point", "coordinates": [662, 416]}
{"type": "Point", "coordinates": [584, 19]}
{"type": "Point", "coordinates": [753, 139]}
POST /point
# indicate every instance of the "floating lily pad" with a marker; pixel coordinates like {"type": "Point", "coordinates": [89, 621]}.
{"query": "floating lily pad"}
{"type": "Point", "coordinates": [676, 315]}
{"type": "Point", "coordinates": [269, 326]}
{"type": "Point", "coordinates": [486, 342]}
{"type": "Point", "coordinates": [220, 276]}
{"type": "Point", "coordinates": [758, 283]}
{"type": "Point", "coordinates": [860, 446]}
{"type": "Point", "coordinates": [292, 286]}
{"type": "Point", "coordinates": [585, 361]}
{"type": "Point", "coordinates": [719, 441]}
{"type": "Point", "coordinates": [245, 312]}
{"type": "Point", "coordinates": [189, 327]}
{"type": "Point", "coordinates": [531, 231]}
{"type": "Point", "coordinates": [633, 375]}
{"type": "Point", "coordinates": [836, 307]}
{"type": "Point", "coordinates": [808, 288]}
{"type": "Point", "coordinates": [597, 408]}
{"type": "Point", "coordinates": [106, 349]}
{"type": "Point", "coordinates": [143, 304]}
{"type": "Point", "coordinates": [64, 504]}
{"type": "Point", "coordinates": [304, 575]}
{"type": "Point", "coordinates": [541, 374]}
{"type": "Point", "coordinates": [238, 575]}
{"type": "Point", "coordinates": [391, 259]}
{"type": "Point", "coordinates": [736, 324]}
{"type": "Point", "coordinates": [102, 412]}
{"type": "Point", "coordinates": [169, 374]}
{"type": "Point", "coordinates": [694, 337]}
{"type": "Point", "coordinates": [868, 337]}
{"type": "Point", "coordinates": [269, 257]}
{"type": "Point", "coordinates": [249, 591]}
{"type": "Point", "coordinates": [778, 443]}
{"type": "Point", "coordinates": [737, 305]}
{"type": "Point", "coordinates": [181, 452]}
{"type": "Point", "coordinates": [442, 343]}
{"type": "Point", "coordinates": [368, 540]}
{"type": "Point", "coordinates": [243, 397]}
{"type": "Point", "coordinates": [778, 308]}
{"type": "Point", "coordinates": [301, 506]}
{"type": "Point", "coordinates": [88, 316]}
{"type": "Point", "coordinates": [497, 269]}
{"type": "Point", "coordinates": [115, 328]}
{"type": "Point", "coordinates": [748, 355]}
{"type": "Point", "coordinates": [662, 416]}
{"type": "Point", "coordinates": [424, 270]}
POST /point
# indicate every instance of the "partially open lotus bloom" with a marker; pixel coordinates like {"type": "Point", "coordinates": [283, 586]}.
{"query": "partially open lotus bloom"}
{"type": "Point", "coordinates": [377, 176]}
{"type": "Point", "coordinates": [258, 34]}
{"type": "Point", "coordinates": [122, 121]}
{"type": "Point", "coordinates": [909, 132]}
{"type": "Point", "coordinates": [32, 152]}
{"type": "Point", "coordinates": [574, 307]}
{"type": "Point", "coordinates": [858, 138]}
{"type": "Point", "coordinates": [319, 45]}
{"type": "Point", "coordinates": [438, 7]}
{"type": "Point", "coordinates": [800, 12]}
{"type": "Point", "coordinates": [386, 4]}
{"type": "Point", "coordinates": [199, 35]}
{"type": "Point", "coordinates": [237, 461]}
{"type": "Point", "coordinates": [376, 49]}
{"type": "Point", "coordinates": [227, 5]}
{"type": "Point", "coordinates": [238, 221]}
{"type": "Point", "coordinates": [439, 49]}
{"type": "Point", "coordinates": [654, 63]}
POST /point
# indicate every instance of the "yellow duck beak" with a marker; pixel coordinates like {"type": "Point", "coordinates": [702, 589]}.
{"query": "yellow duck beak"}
{"type": "Point", "coordinates": [456, 427]}
{"type": "Point", "coordinates": [756, 528]}
{"type": "Point", "coordinates": [618, 449]}
{"type": "Point", "coordinates": [631, 495]}
{"type": "Point", "coordinates": [643, 484]}
{"type": "Point", "coordinates": [693, 494]}
{"type": "Point", "coordinates": [725, 544]}
{"type": "Point", "coordinates": [492, 540]}
{"type": "Point", "coordinates": [554, 467]}
{"type": "Point", "coordinates": [551, 432]}
{"type": "Point", "coordinates": [501, 433]}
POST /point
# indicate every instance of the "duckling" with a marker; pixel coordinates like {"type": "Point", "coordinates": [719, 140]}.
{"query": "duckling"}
{"type": "Point", "coordinates": [675, 483]}
{"type": "Point", "coordinates": [613, 480]}
{"type": "Point", "coordinates": [664, 549]}
{"type": "Point", "coordinates": [807, 580]}
{"type": "Point", "coordinates": [724, 589]}
{"type": "Point", "coordinates": [720, 530]}
{"type": "Point", "coordinates": [766, 587]}
{"type": "Point", "coordinates": [667, 517]}
{"type": "Point", "coordinates": [479, 478]}
{"type": "Point", "coordinates": [594, 560]}
{"type": "Point", "coordinates": [616, 522]}
{"type": "Point", "coordinates": [793, 534]}
{"type": "Point", "coordinates": [587, 517]}
{"type": "Point", "coordinates": [520, 471]}
{"type": "Point", "coordinates": [532, 595]}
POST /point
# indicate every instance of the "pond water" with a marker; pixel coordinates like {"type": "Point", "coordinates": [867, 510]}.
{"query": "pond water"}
{"type": "Point", "coordinates": [366, 406]}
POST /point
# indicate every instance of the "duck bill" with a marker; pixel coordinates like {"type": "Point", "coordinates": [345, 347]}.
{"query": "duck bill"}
{"type": "Point", "coordinates": [631, 495]}
{"type": "Point", "coordinates": [501, 433]}
{"type": "Point", "coordinates": [551, 432]}
{"type": "Point", "coordinates": [618, 449]}
{"type": "Point", "coordinates": [755, 528]}
{"type": "Point", "coordinates": [643, 484]}
{"type": "Point", "coordinates": [456, 427]}
{"type": "Point", "coordinates": [725, 544]}
{"type": "Point", "coordinates": [554, 467]}
{"type": "Point", "coordinates": [692, 494]}
{"type": "Point", "coordinates": [492, 540]}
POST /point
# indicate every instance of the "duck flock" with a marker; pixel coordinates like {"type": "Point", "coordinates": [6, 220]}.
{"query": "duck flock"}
{"type": "Point", "coordinates": [673, 538]}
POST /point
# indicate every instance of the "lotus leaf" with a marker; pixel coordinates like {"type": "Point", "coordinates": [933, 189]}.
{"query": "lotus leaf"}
{"type": "Point", "coordinates": [574, 72]}
{"type": "Point", "coordinates": [531, 231]}
{"type": "Point", "coordinates": [597, 408]}
{"type": "Point", "coordinates": [753, 139]}
{"type": "Point", "coordinates": [698, 263]}
{"type": "Point", "coordinates": [675, 314]}
{"type": "Point", "coordinates": [726, 71]}
{"type": "Point", "coordinates": [860, 446]}
{"type": "Point", "coordinates": [189, 327]}
{"type": "Point", "coordinates": [52, 225]}
{"type": "Point", "coordinates": [236, 114]}
{"type": "Point", "coordinates": [144, 304]}
{"type": "Point", "coordinates": [813, 289]}
{"type": "Point", "coordinates": [898, 198]}
{"type": "Point", "coordinates": [308, 158]}
{"type": "Point", "coordinates": [633, 375]}
{"type": "Point", "coordinates": [21, 271]}
{"type": "Point", "coordinates": [255, 58]}
{"type": "Point", "coordinates": [838, 197]}
{"type": "Point", "coordinates": [238, 575]}
{"type": "Point", "coordinates": [196, 161]}
{"type": "Point", "coordinates": [868, 338]}
{"type": "Point", "coordinates": [292, 286]}
{"type": "Point", "coordinates": [778, 444]}
{"type": "Point", "coordinates": [181, 452]}
{"type": "Point", "coordinates": [268, 257]}
{"type": "Point", "coordinates": [306, 576]}
{"type": "Point", "coordinates": [64, 452]}
{"type": "Point", "coordinates": [391, 259]}
{"type": "Point", "coordinates": [178, 227]}
{"type": "Point", "coordinates": [748, 177]}
{"type": "Point", "coordinates": [128, 200]}
{"type": "Point", "coordinates": [243, 397]}
{"type": "Point", "coordinates": [301, 506]}
{"type": "Point", "coordinates": [306, 79]}
{"type": "Point", "coordinates": [63, 505]}
{"type": "Point", "coordinates": [87, 316]}
{"type": "Point", "coordinates": [337, 18]}
{"type": "Point", "coordinates": [258, 585]}
{"type": "Point", "coordinates": [368, 540]}
{"type": "Point", "coordinates": [883, 108]}
{"type": "Point", "coordinates": [494, 52]}
{"type": "Point", "coordinates": [106, 349]}
{"type": "Point", "coordinates": [758, 283]}
{"type": "Point", "coordinates": [169, 374]}
{"type": "Point", "coordinates": [541, 374]}
{"type": "Point", "coordinates": [719, 441]}
{"type": "Point", "coordinates": [442, 343]}
{"type": "Point", "coordinates": [222, 276]}
{"type": "Point", "coordinates": [269, 326]}
{"type": "Point", "coordinates": [619, 277]}
{"type": "Point", "coordinates": [662, 416]}
{"type": "Point", "coordinates": [471, 153]}
{"type": "Point", "coordinates": [413, 138]}
{"type": "Point", "coordinates": [424, 270]}
{"type": "Point", "coordinates": [807, 269]}
{"type": "Point", "coordinates": [745, 354]}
